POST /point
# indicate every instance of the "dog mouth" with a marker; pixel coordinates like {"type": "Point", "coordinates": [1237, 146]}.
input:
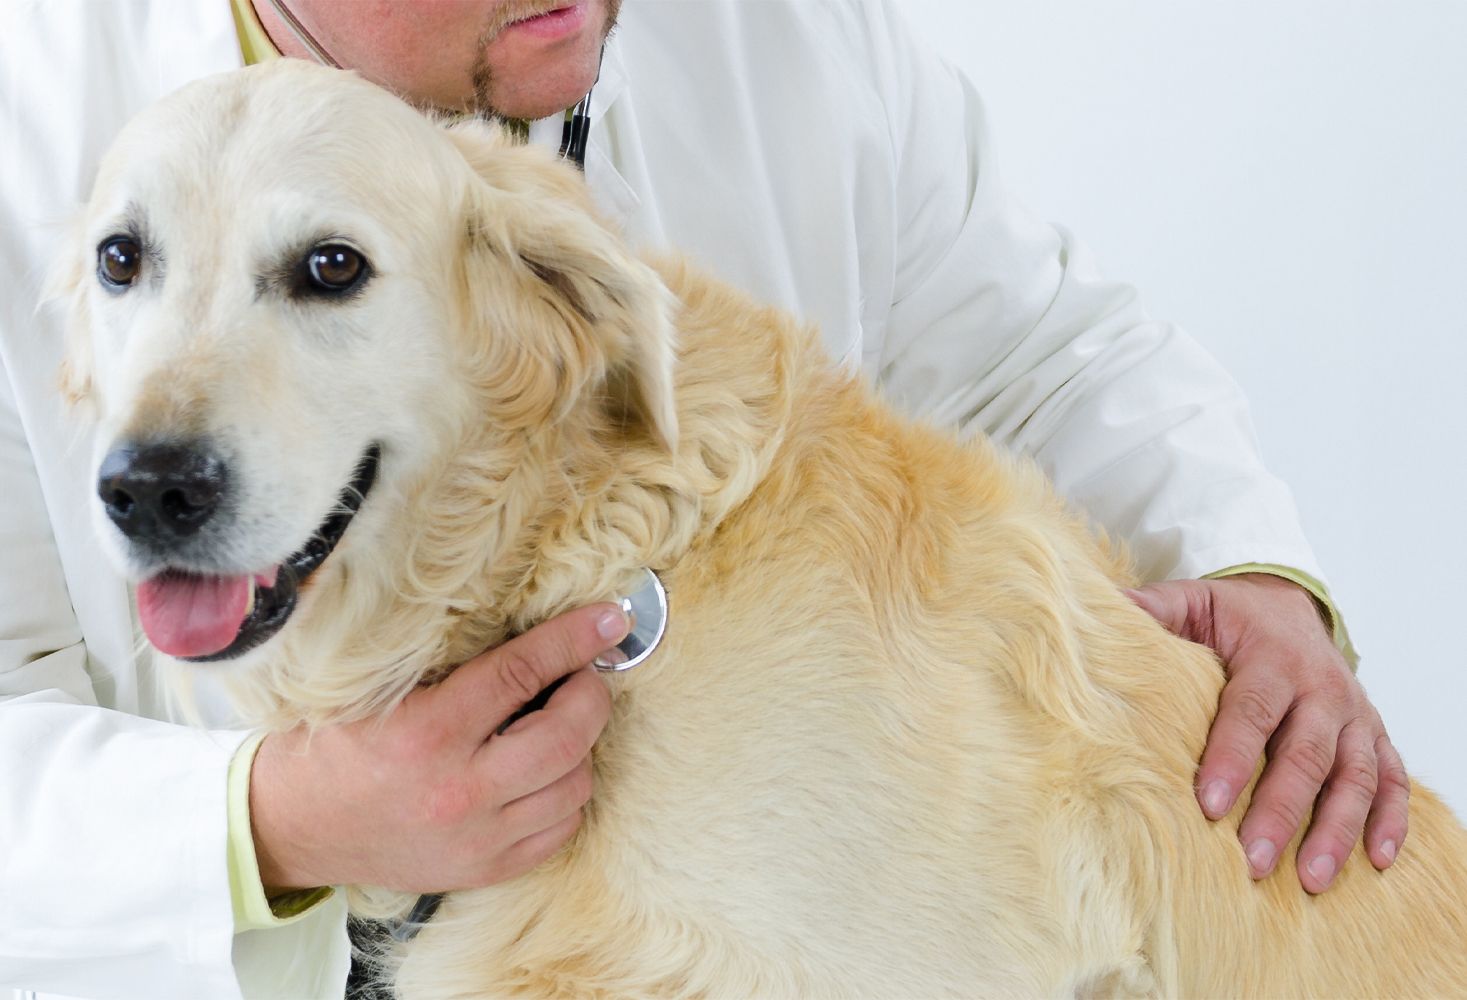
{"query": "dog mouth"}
{"type": "Point", "coordinates": [205, 618]}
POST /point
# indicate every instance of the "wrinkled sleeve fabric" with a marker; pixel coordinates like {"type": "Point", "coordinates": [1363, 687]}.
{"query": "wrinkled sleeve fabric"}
{"type": "Point", "coordinates": [114, 868]}
{"type": "Point", "coordinates": [1003, 323]}
{"type": "Point", "coordinates": [109, 884]}
{"type": "Point", "coordinates": [112, 827]}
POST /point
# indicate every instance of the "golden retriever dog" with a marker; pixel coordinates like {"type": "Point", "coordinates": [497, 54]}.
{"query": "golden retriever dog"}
{"type": "Point", "coordinates": [906, 736]}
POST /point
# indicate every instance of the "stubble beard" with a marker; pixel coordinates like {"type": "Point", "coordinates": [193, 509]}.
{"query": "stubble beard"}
{"type": "Point", "coordinates": [511, 12]}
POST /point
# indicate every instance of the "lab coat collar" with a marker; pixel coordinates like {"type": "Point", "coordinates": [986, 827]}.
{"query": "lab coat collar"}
{"type": "Point", "coordinates": [609, 189]}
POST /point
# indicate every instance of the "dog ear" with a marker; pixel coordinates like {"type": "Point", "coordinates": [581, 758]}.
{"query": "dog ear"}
{"type": "Point", "coordinates": [531, 216]}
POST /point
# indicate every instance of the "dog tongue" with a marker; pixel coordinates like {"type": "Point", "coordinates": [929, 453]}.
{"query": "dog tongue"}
{"type": "Point", "coordinates": [188, 615]}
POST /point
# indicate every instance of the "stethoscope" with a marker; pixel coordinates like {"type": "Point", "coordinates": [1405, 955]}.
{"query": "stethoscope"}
{"type": "Point", "coordinates": [573, 137]}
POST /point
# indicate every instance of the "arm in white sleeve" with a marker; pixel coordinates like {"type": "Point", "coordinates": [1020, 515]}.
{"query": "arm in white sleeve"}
{"type": "Point", "coordinates": [114, 875]}
{"type": "Point", "coordinates": [1001, 322]}
{"type": "Point", "coordinates": [112, 827]}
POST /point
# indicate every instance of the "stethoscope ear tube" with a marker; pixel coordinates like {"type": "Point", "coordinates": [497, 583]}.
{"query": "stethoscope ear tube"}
{"type": "Point", "coordinates": [576, 132]}
{"type": "Point", "coordinates": [304, 37]}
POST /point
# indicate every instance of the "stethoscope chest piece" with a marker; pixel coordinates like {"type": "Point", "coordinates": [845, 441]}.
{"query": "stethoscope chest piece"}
{"type": "Point", "coordinates": [646, 607]}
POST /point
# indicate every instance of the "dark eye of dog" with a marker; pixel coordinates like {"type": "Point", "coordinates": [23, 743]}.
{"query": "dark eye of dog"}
{"type": "Point", "coordinates": [335, 267]}
{"type": "Point", "coordinates": [117, 261]}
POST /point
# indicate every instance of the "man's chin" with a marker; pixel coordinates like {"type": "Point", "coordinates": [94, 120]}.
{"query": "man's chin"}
{"type": "Point", "coordinates": [519, 76]}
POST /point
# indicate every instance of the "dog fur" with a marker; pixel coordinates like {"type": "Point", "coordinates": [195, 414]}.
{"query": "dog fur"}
{"type": "Point", "coordinates": [906, 736]}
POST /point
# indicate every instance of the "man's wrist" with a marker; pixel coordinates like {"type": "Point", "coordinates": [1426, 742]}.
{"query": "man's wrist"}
{"type": "Point", "coordinates": [253, 872]}
{"type": "Point", "coordinates": [1324, 603]}
{"type": "Point", "coordinates": [1288, 590]}
{"type": "Point", "coordinates": [279, 874]}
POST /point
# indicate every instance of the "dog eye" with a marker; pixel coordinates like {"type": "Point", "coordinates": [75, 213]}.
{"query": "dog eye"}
{"type": "Point", "coordinates": [335, 267]}
{"type": "Point", "coordinates": [117, 261]}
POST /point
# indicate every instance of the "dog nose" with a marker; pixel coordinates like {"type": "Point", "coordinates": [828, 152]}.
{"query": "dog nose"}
{"type": "Point", "coordinates": [161, 492]}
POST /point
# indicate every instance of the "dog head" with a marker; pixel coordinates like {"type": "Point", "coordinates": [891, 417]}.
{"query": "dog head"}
{"type": "Point", "coordinates": [292, 300]}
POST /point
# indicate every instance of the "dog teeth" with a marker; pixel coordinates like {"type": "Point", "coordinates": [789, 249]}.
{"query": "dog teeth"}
{"type": "Point", "coordinates": [250, 606]}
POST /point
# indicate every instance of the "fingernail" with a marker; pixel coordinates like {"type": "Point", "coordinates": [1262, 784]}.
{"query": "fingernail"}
{"type": "Point", "coordinates": [1388, 851]}
{"type": "Point", "coordinates": [1215, 798]}
{"type": "Point", "coordinates": [1323, 868]}
{"type": "Point", "coordinates": [612, 625]}
{"type": "Point", "coordinates": [1260, 855]}
{"type": "Point", "coordinates": [610, 660]}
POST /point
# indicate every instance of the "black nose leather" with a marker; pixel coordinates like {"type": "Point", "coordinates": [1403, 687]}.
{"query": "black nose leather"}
{"type": "Point", "coordinates": [161, 492]}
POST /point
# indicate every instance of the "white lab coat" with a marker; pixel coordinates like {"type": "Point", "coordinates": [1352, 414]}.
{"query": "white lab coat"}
{"type": "Point", "coordinates": [812, 152]}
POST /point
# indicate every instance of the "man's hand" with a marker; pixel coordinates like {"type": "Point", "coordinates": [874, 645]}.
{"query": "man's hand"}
{"type": "Point", "coordinates": [431, 798]}
{"type": "Point", "coordinates": [1289, 691]}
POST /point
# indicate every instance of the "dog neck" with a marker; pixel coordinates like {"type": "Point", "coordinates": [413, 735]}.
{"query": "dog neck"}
{"type": "Point", "coordinates": [612, 505]}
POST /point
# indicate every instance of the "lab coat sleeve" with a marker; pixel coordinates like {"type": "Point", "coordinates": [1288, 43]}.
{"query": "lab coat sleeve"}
{"type": "Point", "coordinates": [113, 879]}
{"type": "Point", "coordinates": [1002, 323]}
{"type": "Point", "coordinates": [113, 828]}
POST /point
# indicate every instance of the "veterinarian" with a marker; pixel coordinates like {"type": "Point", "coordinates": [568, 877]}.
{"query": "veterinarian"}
{"type": "Point", "coordinates": [816, 154]}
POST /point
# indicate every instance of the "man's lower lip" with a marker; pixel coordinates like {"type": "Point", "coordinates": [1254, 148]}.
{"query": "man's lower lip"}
{"type": "Point", "coordinates": [553, 24]}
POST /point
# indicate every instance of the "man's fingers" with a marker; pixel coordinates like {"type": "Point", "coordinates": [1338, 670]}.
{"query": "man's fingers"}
{"type": "Point", "coordinates": [531, 851]}
{"type": "Point", "coordinates": [1249, 711]}
{"type": "Point", "coordinates": [492, 686]}
{"type": "Point", "coordinates": [543, 809]}
{"type": "Point", "coordinates": [1340, 815]}
{"type": "Point", "coordinates": [1385, 827]}
{"type": "Point", "coordinates": [1296, 771]}
{"type": "Point", "coordinates": [546, 745]}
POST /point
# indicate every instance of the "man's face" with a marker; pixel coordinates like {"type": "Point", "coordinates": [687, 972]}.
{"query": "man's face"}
{"type": "Point", "coordinates": [518, 58]}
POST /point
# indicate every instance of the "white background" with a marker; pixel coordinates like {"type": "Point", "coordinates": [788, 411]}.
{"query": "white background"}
{"type": "Point", "coordinates": [1287, 179]}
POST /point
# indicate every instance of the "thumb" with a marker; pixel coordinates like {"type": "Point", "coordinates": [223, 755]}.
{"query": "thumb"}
{"type": "Point", "coordinates": [1180, 605]}
{"type": "Point", "coordinates": [494, 685]}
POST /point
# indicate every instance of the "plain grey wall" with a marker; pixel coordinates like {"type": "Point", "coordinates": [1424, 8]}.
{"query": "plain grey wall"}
{"type": "Point", "coordinates": [1288, 180]}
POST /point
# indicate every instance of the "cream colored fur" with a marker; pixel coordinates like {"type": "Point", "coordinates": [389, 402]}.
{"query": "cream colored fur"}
{"type": "Point", "coordinates": [906, 736]}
